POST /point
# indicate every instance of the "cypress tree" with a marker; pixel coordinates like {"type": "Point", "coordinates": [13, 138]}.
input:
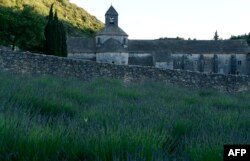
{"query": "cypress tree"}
{"type": "Point", "coordinates": [57, 45]}
{"type": "Point", "coordinates": [64, 41]}
{"type": "Point", "coordinates": [55, 36]}
{"type": "Point", "coordinates": [216, 36]}
{"type": "Point", "coordinates": [49, 33]}
{"type": "Point", "coordinates": [51, 13]}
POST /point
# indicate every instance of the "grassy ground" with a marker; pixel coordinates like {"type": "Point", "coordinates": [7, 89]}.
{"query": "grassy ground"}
{"type": "Point", "coordinates": [53, 119]}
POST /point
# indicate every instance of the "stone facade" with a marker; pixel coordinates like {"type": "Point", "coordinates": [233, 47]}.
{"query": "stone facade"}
{"type": "Point", "coordinates": [212, 63]}
{"type": "Point", "coordinates": [112, 58]}
{"type": "Point", "coordinates": [111, 45]}
{"type": "Point", "coordinates": [37, 64]}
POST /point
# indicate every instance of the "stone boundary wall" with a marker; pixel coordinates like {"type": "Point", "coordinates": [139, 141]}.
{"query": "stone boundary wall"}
{"type": "Point", "coordinates": [30, 63]}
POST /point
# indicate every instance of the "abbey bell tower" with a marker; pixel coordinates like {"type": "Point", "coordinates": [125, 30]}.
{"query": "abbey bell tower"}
{"type": "Point", "coordinates": [111, 17]}
{"type": "Point", "coordinates": [111, 30]}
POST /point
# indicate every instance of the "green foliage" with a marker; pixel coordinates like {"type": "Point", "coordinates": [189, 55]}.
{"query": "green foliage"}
{"type": "Point", "coordinates": [20, 28]}
{"type": "Point", "coordinates": [23, 22]}
{"type": "Point", "coordinates": [180, 128]}
{"type": "Point", "coordinates": [63, 40]}
{"type": "Point", "coordinates": [55, 36]}
{"type": "Point", "coordinates": [244, 37]}
{"type": "Point", "coordinates": [50, 39]}
{"type": "Point", "coordinates": [109, 120]}
{"type": "Point", "coordinates": [216, 36]}
{"type": "Point", "coordinates": [209, 153]}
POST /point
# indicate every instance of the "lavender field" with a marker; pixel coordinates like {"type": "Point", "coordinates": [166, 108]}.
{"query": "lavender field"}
{"type": "Point", "coordinates": [53, 119]}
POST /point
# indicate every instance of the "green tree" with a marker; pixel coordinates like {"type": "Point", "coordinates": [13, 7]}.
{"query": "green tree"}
{"type": "Point", "coordinates": [19, 28]}
{"type": "Point", "coordinates": [216, 36]}
{"type": "Point", "coordinates": [244, 37]}
{"type": "Point", "coordinates": [63, 40]}
{"type": "Point", "coordinates": [55, 35]}
{"type": "Point", "coordinates": [49, 35]}
{"type": "Point", "coordinates": [22, 22]}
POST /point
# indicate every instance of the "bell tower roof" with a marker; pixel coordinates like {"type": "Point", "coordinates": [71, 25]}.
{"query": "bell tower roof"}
{"type": "Point", "coordinates": [111, 17]}
{"type": "Point", "coordinates": [111, 24]}
{"type": "Point", "coordinates": [111, 11]}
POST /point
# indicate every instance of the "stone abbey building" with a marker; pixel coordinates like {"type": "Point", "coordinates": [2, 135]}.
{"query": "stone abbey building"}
{"type": "Point", "coordinates": [111, 45]}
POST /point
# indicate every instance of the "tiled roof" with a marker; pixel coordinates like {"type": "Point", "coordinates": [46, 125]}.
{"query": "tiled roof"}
{"type": "Point", "coordinates": [161, 47]}
{"type": "Point", "coordinates": [111, 45]}
{"type": "Point", "coordinates": [111, 11]}
{"type": "Point", "coordinates": [81, 45]}
{"type": "Point", "coordinates": [190, 46]}
{"type": "Point", "coordinates": [112, 30]}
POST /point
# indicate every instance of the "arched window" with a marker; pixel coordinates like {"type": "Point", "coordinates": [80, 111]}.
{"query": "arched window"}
{"type": "Point", "coordinates": [111, 20]}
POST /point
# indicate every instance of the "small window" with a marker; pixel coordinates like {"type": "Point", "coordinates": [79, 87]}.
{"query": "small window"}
{"type": "Point", "coordinates": [98, 40]}
{"type": "Point", "coordinates": [124, 41]}
{"type": "Point", "coordinates": [239, 62]}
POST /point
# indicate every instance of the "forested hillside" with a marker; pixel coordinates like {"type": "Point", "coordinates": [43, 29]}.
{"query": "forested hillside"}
{"type": "Point", "coordinates": [22, 22]}
{"type": "Point", "coordinates": [245, 36]}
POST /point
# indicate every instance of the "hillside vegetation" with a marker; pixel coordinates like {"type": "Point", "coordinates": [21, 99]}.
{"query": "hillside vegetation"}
{"type": "Point", "coordinates": [244, 37]}
{"type": "Point", "coordinates": [23, 21]}
{"type": "Point", "coordinates": [54, 119]}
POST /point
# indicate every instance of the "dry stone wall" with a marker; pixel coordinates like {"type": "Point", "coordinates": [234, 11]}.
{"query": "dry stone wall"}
{"type": "Point", "coordinates": [29, 63]}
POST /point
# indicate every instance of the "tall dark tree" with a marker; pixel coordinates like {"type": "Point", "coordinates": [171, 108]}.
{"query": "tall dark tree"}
{"type": "Point", "coordinates": [63, 40]}
{"type": "Point", "coordinates": [55, 36]}
{"type": "Point", "coordinates": [49, 34]}
{"type": "Point", "coordinates": [216, 36]}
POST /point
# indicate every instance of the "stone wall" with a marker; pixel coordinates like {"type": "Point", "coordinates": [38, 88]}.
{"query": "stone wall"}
{"type": "Point", "coordinates": [83, 56]}
{"type": "Point", "coordinates": [113, 58]}
{"type": "Point", "coordinates": [27, 63]}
